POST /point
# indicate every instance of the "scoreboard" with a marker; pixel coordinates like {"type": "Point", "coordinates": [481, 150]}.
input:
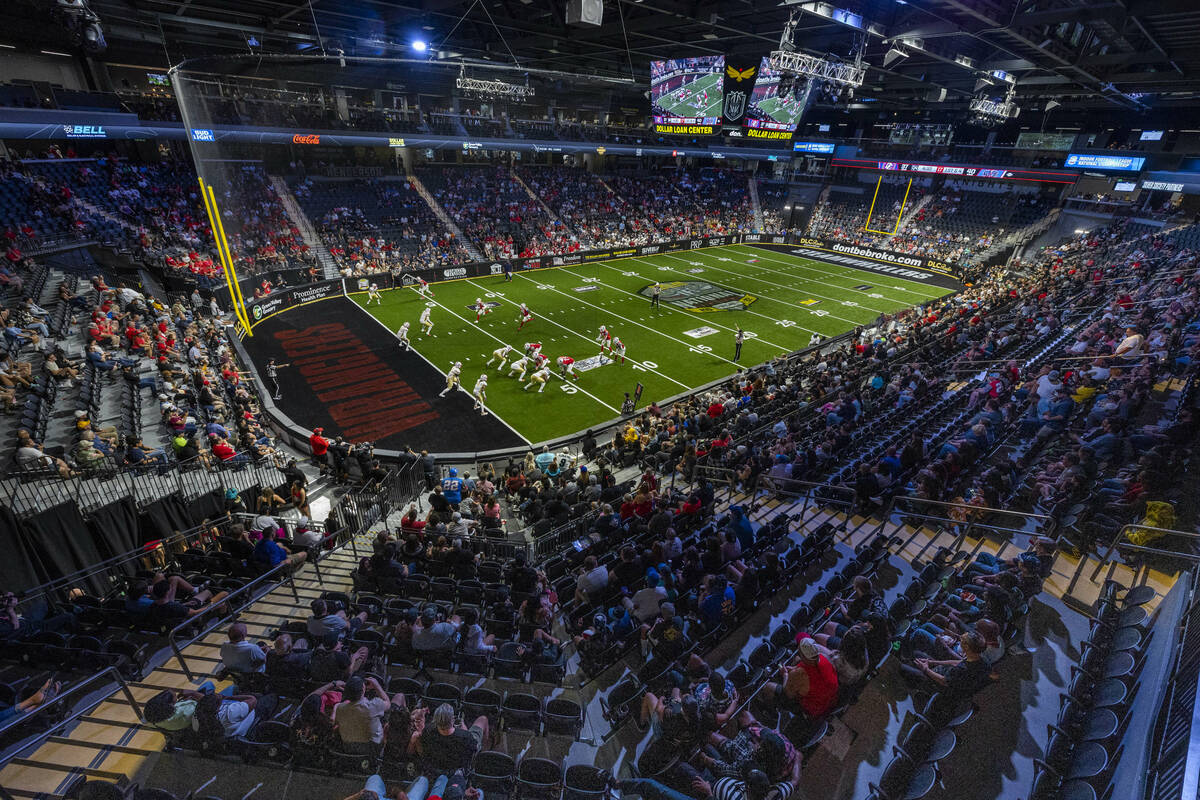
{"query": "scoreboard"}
{"type": "Point", "coordinates": [686, 95]}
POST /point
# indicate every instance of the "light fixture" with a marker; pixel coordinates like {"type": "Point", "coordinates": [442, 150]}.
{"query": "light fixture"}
{"type": "Point", "coordinates": [493, 89]}
{"type": "Point", "coordinates": [1052, 104]}
{"type": "Point", "coordinates": [419, 45]}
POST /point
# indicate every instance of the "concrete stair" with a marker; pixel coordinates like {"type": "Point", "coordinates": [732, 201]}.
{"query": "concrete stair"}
{"type": "Point", "coordinates": [755, 204]}
{"type": "Point", "coordinates": [328, 264]}
{"type": "Point", "coordinates": [446, 219]}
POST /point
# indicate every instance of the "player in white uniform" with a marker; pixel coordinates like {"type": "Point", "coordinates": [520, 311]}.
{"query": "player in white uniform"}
{"type": "Point", "coordinates": [541, 377]}
{"type": "Point", "coordinates": [402, 335]}
{"type": "Point", "coordinates": [566, 366]}
{"type": "Point", "coordinates": [480, 394]}
{"type": "Point", "coordinates": [373, 294]}
{"type": "Point", "coordinates": [452, 378]}
{"type": "Point", "coordinates": [481, 308]}
{"type": "Point", "coordinates": [500, 355]}
{"type": "Point", "coordinates": [426, 322]}
{"type": "Point", "coordinates": [526, 316]}
{"type": "Point", "coordinates": [617, 349]}
{"type": "Point", "coordinates": [423, 288]}
{"type": "Point", "coordinates": [603, 338]}
{"type": "Point", "coordinates": [518, 368]}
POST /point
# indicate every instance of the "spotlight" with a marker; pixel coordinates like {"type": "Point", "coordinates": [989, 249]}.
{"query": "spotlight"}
{"type": "Point", "coordinates": [419, 45]}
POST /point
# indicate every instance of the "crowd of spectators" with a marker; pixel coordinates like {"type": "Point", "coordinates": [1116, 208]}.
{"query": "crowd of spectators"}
{"type": "Point", "coordinates": [496, 212]}
{"type": "Point", "coordinates": [377, 226]}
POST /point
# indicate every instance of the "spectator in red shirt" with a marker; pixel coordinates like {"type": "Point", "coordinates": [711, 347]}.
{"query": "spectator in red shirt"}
{"type": "Point", "coordinates": [320, 446]}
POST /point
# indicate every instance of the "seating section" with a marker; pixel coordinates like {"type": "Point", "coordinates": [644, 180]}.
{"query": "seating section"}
{"type": "Point", "coordinates": [377, 225]}
{"type": "Point", "coordinates": [909, 516]}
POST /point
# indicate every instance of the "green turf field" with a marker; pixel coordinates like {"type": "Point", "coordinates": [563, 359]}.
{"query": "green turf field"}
{"type": "Point", "coordinates": [780, 300]}
{"type": "Point", "coordinates": [773, 108]}
{"type": "Point", "coordinates": [713, 83]}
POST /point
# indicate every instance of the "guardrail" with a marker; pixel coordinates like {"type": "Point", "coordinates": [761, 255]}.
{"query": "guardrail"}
{"type": "Point", "coordinates": [112, 570]}
{"type": "Point", "coordinates": [1119, 542]}
{"type": "Point", "coordinates": [33, 491]}
{"type": "Point", "coordinates": [109, 673]}
{"type": "Point", "coordinates": [244, 591]}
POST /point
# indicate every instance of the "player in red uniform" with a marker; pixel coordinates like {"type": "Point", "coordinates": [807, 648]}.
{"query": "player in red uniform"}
{"type": "Point", "coordinates": [566, 365]}
{"type": "Point", "coordinates": [526, 316]}
{"type": "Point", "coordinates": [423, 288]}
{"type": "Point", "coordinates": [617, 348]}
{"type": "Point", "coordinates": [481, 308]}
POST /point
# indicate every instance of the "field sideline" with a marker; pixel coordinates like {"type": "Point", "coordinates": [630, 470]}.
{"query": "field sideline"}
{"type": "Point", "coordinates": [780, 300]}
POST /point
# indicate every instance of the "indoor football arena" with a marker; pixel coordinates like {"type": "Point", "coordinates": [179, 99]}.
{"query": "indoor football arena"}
{"type": "Point", "coordinates": [599, 399]}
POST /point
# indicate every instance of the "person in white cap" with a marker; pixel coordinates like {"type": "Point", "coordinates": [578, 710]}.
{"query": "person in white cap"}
{"type": "Point", "coordinates": [306, 536]}
{"type": "Point", "coordinates": [810, 685]}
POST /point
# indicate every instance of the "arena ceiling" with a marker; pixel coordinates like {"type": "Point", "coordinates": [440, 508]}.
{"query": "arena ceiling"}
{"type": "Point", "coordinates": [1102, 54]}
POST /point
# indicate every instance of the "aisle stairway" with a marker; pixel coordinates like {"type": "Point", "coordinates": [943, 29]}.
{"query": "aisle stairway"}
{"type": "Point", "coordinates": [307, 232]}
{"type": "Point", "coordinates": [445, 218]}
{"type": "Point", "coordinates": [754, 202]}
{"type": "Point", "coordinates": [110, 742]}
{"type": "Point", "coordinates": [914, 210]}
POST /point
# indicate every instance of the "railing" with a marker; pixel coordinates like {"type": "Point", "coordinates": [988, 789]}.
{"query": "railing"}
{"type": "Point", "coordinates": [34, 491]}
{"type": "Point", "coordinates": [1119, 543]}
{"type": "Point", "coordinates": [251, 597]}
{"type": "Point", "coordinates": [115, 569]}
{"type": "Point", "coordinates": [110, 674]}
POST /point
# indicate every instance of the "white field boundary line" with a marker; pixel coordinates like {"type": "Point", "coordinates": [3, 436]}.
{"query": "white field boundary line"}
{"type": "Point", "coordinates": [706, 265]}
{"type": "Point", "coordinates": [746, 276]}
{"type": "Point", "coordinates": [686, 313]}
{"type": "Point", "coordinates": [483, 330]}
{"type": "Point", "coordinates": [583, 336]}
{"type": "Point", "coordinates": [391, 335]}
{"type": "Point", "coordinates": [690, 347]}
{"type": "Point", "coordinates": [843, 274]}
{"type": "Point", "coordinates": [747, 311]}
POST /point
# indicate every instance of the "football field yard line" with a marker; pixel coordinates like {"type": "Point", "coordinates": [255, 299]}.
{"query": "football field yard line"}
{"type": "Point", "coordinates": [854, 323]}
{"type": "Point", "coordinates": [686, 313]}
{"type": "Point", "coordinates": [515, 347]}
{"type": "Point", "coordinates": [392, 335]}
{"type": "Point", "coordinates": [842, 274]}
{"type": "Point", "coordinates": [583, 336]}
{"type": "Point", "coordinates": [798, 278]}
{"type": "Point", "coordinates": [690, 348]}
{"type": "Point", "coordinates": [691, 276]}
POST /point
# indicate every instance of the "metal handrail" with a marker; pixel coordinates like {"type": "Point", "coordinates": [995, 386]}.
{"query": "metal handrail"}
{"type": "Point", "coordinates": [63, 582]}
{"type": "Point", "coordinates": [42, 736]}
{"type": "Point", "coordinates": [222, 619]}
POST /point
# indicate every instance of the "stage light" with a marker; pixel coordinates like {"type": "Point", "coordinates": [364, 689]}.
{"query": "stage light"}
{"type": "Point", "coordinates": [419, 45]}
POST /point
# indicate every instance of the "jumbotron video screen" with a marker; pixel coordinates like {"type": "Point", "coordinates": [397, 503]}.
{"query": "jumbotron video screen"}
{"type": "Point", "coordinates": [776, 105]}
{"type": "Point", "coordinates": [686, 95]}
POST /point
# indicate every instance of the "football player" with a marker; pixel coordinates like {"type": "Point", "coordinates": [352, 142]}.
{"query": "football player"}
{"type": "Point", "coordinates": [500, 355]}
{"type": "Point", "coordinates": [617, 349]}
{"type": "Point", "coordinates": [402, 335]}
{"type": "Point", "coordinates": [480, 394]}
{"type": "Point", "coordinates": [566, 366]}
{"type": "Point", "coordinates": [541, 377]}
{"type": "Point", "coordinates": [426, 322]}
{"type": "Point", "coordinates": [518, 368]}
{"type": "Point", "coordinates": [452, 378]}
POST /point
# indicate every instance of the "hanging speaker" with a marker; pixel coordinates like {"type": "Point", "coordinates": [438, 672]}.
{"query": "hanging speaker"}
{"type": "Point", "coordinates": [585, 12]}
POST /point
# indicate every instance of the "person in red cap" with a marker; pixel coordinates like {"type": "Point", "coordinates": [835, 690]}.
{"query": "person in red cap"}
{"type": "Point", "coordinates": [320, 446]}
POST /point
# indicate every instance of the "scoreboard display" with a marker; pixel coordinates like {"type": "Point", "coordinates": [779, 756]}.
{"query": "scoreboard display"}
{"type": "Point", "coordinates": [686, 95]}
{"type": "Point", "coordinates": [776, 105]}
